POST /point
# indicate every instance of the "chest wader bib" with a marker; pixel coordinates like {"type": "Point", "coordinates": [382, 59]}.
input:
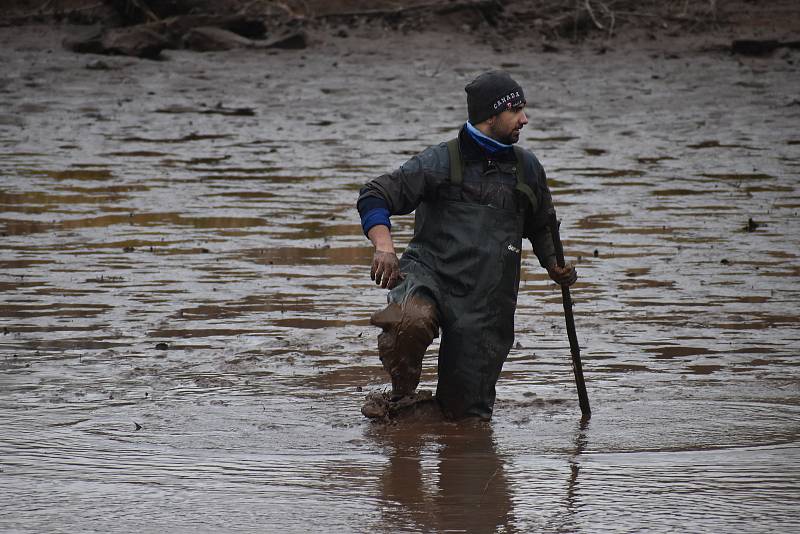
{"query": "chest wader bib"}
{"type": "Point", "coordinates": [466, 257]}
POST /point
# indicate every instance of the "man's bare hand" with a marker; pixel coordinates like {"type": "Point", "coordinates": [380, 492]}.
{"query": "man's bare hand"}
{"type": "Point", "coordinates": [564, 276]}
{"type": "Point", "coordinates": [385, 269]}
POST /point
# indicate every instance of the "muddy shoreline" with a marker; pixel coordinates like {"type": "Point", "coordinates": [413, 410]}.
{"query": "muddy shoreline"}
{"type": "Point", "coordinates": [186, 294]}
{"type": "Point", "coordinates": [745, 27]}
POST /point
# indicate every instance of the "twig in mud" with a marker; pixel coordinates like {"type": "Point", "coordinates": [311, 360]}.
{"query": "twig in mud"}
{"type": "Point", "coordinates": [44, 6]}
{"type": "Point", "coordinates": [684, 13]}
{"type": "Point", "coordinates": [436, 7]}
{"type": "Point", "coordinates": [145, 9]}
{"type": "Point", "coordinates": [575, 21]}
{"type": "Point", "coordinates": [674, 18]}
{"type": "Point", "coordinates": [303, 11]}
{"type": "Point", "coordinates": [613, 18]}
{"type": "Point", "coordinates": [56, 12]}
{"type": "Point", "coordinates": [436, 70]}
{"type": "Point", "coordinates": [59, 12]}
{"type": "Point", "coordinates": [486, 486]}
{"type": "Point", "coordinates": [588, 6]}
{"type": "Point", "coordinates": [134, 11]}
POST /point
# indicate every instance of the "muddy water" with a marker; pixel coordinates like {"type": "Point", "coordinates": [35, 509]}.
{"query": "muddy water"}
{"type": "Point", "coordinates": [185, 303]}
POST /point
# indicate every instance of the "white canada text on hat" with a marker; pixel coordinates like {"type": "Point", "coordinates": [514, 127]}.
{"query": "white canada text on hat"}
{"type": "Point", "coordinates": [507, 99]}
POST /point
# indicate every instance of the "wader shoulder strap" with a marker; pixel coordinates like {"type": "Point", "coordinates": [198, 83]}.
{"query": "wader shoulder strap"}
{"type": "Point", "coordinates": [456, 168]}
{"type": "Point", "coordinates": [457, 171]}
{"type": "Point", "coordinates": [522, 186]}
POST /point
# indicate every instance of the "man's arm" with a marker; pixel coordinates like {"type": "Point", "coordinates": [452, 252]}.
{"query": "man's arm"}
{"type": "Point", "coordinates": [537, 230]}
{"type": "Point", "coordinates": [401, 190]}
{"type": "Point", "coordinates": [542, 242]}
{"type": "Point", "coordinates": [396, 193]}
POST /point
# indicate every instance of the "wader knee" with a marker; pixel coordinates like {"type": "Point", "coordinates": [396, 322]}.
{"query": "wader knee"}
{"type": "Point", "coordinates": [408, 330]}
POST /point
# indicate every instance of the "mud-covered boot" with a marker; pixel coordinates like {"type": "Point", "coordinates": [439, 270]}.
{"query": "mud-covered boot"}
{"type": "Point", "coordinates": [379, 405]}
{"type": "Point", "coordinates": [408, 330]}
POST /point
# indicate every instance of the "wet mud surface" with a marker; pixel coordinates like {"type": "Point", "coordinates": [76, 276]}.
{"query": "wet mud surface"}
{"type": "Point", "coordinates": [186, 295]}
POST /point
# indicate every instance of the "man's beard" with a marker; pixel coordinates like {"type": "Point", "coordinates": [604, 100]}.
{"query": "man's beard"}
{"type": "Point", "coordinates": [510, 139]}
{"type": "Point", "coordinates": [507, 139]}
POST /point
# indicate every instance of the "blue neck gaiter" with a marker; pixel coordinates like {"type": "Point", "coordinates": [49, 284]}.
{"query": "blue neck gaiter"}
{"type": "Point", "coordinates": [492, 146]}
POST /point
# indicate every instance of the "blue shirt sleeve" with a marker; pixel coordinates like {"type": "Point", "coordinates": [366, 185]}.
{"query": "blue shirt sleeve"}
{"type": "Point", "coordinates": [374, 217]}
{"type": "Point", "coordinates": [373, 211]}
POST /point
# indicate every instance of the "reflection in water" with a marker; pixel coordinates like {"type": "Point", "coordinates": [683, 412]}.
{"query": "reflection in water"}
{"type": "Point", "coordinates": [448, 479]}
{"type": "Point", "coordinates": [580, 443]}
{"type": "Point", "coordinates": [451, 478]}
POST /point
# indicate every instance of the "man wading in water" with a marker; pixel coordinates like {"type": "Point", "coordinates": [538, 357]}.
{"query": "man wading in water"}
{"type": "Point", "coordinates": [475, 197]}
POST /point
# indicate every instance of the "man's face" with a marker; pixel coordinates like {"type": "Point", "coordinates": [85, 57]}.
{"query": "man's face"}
{"type": "Point", "coordinates": [505, 127]}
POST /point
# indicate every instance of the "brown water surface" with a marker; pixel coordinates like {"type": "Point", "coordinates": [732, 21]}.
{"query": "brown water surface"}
{"type": "Point", "coordinates": [185, 340]}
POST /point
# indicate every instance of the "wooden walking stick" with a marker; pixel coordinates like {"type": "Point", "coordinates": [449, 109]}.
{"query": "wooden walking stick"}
{"type": "Point", "coordinates": [577, 368]}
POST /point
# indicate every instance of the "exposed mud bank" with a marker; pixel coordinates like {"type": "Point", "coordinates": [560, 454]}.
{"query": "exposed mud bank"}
{"type": "Point", "coordinates": [143, 28]}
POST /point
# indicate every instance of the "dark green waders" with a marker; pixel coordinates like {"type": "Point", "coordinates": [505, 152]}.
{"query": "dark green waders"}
{"type": "Point", "coordinates": [465, 258]}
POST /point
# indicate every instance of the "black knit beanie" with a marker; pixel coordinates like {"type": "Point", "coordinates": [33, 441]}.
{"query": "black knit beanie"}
{"type": "Point", "coordinates": [492, 93]}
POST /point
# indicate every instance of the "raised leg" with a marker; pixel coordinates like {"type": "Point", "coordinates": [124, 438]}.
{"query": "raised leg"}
{"type": "Point", "coordinates": [408, 330]}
